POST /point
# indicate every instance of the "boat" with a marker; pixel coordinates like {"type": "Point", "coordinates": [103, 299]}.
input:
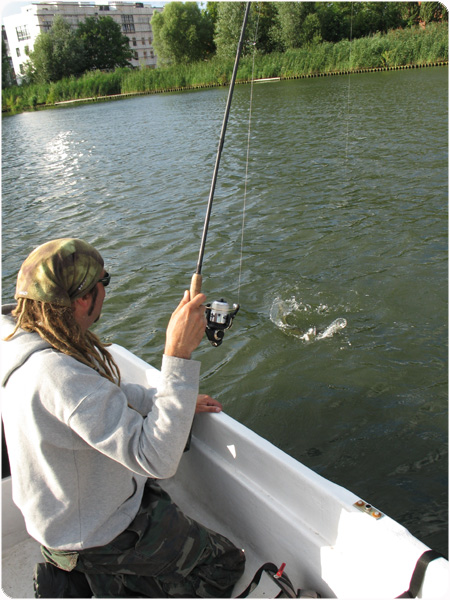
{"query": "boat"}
{"type": "Point", "coordinates": [278, 510]}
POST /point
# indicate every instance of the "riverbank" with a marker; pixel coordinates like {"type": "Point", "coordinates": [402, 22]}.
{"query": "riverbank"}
{"type": "Point", "coordinates": [204, 86]}
{"type": "Point", "coordinates": [400, 49]}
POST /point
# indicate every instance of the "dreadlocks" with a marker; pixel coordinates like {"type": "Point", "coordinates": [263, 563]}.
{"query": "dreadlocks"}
{"type": "Point", "coordinates": [57, 326]}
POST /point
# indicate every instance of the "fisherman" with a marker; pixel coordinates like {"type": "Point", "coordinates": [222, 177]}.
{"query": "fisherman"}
{"type": "Point", "coordinates": [86, 449]}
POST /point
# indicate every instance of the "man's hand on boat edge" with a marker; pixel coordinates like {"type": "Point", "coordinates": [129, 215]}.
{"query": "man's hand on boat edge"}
{"type": "Point", "coordinates": [207, 404]}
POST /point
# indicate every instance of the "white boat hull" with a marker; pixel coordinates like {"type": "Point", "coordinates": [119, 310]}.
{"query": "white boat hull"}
{"type": "Point", "coordinates": [278, 510]}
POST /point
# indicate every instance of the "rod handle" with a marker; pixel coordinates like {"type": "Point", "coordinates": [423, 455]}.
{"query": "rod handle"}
{"type": "Point", "coordinates": [196, 285]}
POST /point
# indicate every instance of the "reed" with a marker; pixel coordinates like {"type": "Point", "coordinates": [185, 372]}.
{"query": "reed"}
{"type": "Point", "coordinates": [406, 47]}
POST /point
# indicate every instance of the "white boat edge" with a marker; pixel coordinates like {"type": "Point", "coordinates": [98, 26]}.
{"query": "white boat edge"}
{"type": "Point", "coordinates": [278, 510]}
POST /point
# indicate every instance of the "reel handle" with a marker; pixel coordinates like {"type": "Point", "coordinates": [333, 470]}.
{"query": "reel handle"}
{"type": "Point", "coordinates": [196, 285]}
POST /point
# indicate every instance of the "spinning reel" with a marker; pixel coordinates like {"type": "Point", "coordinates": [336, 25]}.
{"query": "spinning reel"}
{"type": "Point", "coordinates": [220, 317]}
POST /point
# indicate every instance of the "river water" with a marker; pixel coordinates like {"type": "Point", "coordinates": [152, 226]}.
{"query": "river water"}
{"type": "Point", "coordinates": [345, 218]}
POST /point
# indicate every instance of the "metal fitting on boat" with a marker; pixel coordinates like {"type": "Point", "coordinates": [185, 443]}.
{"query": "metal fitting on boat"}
{"type": "Point", "coordinates": [368, 508]}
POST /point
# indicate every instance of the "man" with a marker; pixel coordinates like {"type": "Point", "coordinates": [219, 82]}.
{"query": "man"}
{"type": "Point", "coordinates": [85, 449]}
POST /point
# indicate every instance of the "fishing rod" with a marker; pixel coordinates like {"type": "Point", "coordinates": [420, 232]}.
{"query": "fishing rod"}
{"type": "Point", "coordinates": [218, 313]}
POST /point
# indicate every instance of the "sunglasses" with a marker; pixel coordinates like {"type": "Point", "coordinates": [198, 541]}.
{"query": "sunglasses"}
{"type": "Point", "coordinates": [105, 280]}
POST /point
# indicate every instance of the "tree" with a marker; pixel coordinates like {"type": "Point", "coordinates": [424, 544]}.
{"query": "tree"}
{"type": "Point", "coordinates": [263, 16]}
{"type": "Point", "coordinates": [104, 45]}
{"type": "Point", "coordinates": [335, 20]}
{"type": "Point", "coordinates": [211, 9]}
{"type": "Point", "coordinates": [56, 54]}
{"type": "Point", "coordinates": [301, 23]}
{"type": "Point", "coordinates": [230, 16]}
{"type": "Point", "coordinates": [297, 24]}
{"type": "Point", "coordinates": [433, 11]}
{"type": "Point", "coordinates": [373, 17]}
{"type": "Point", "coordinates": [182, 33]}
{"type": "Point", "coordinates": [8, 78]}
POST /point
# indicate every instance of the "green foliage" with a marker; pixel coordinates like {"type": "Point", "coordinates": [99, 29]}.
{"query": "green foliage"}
{"type": "Point", "coordinates": [375, 17]}
{"type": "Point", "coordinates": [104, 45]}
{"type": "Point", "coordinates": [399, 47]}
{"type": "Point", "coordinates": [299, 24]}
{"type": "Point", "coordinates": [56, 54]}
{"type": "Point", "coordinates": [97, 43]}
{"type": "Point", "coordinates": [230, 16]}
{"type": "Point", "coordinates": [211, 10]}
{"type": "Point", "coordinates": [433, 12]}
{"type": "Point", "coordinates": [182, 33]}
{"type": "Point", "coordinates": [294, 24]}
{"type": "Point", "coordinates": [228, 28]}
{"type": "Point", "coordinates": [8, 77]}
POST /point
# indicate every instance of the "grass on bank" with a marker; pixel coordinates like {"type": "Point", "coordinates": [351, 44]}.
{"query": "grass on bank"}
{"type": "Point", "coordinates": [405, 47]}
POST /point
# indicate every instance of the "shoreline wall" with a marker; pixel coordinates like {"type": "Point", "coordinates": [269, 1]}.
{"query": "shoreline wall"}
{"type": "Point", "coordinates": [63, 103]}
{"type": "Point", "coordinates": [280, 78]}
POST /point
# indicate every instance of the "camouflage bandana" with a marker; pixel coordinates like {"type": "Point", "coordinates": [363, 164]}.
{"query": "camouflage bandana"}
{"type": "Point", "coordinates": [59, 272]}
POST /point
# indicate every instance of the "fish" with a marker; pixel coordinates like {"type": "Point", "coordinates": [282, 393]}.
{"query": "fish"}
{"type": "Point", "coordinates": [332, 328]}
{"type": "Point", "coordinates": [283, 311]}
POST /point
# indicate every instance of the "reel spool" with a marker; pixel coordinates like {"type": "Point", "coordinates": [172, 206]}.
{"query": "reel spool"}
{"type": "Point", "coordinates": [220, 317]}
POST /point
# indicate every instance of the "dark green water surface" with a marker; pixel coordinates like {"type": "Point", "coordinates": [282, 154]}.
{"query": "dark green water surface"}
{"type": "Point", "coordinates": [346, 218]}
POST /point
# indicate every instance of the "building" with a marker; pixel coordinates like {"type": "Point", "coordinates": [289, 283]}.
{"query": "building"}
{"type": "Point", "coordinates": [133, 17]}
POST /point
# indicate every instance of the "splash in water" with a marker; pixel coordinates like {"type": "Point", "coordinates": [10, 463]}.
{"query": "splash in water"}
{"type": "Point", "coordinates": [295, 318]}
{"type": "Point", "coordinates": [335, 326]}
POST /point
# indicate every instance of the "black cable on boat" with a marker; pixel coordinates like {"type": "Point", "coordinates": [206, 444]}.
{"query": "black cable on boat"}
{"type": "Point", "coordinates": [196, 282]}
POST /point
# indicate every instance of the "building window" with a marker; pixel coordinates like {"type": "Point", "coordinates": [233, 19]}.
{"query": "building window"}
{"type": "Point", "coordinates": [18, 51]}
{"type": "Point", "coordinates": [46, 26]}
{"type": "Point", "coordinates": [22, 33]}
{"type": "Point", "coordinates": [104, 7]}
{"type": "Point", "coordinates": [128, 23]}
{"type": "Point", "coordinates": [143, 41]}
{"type": "Point", "coordinates": [136, 55]}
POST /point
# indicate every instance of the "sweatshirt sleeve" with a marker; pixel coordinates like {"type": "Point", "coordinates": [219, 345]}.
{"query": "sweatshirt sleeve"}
{"type": "Point", "coordinates": [139, 397]}
{"type": "Point", "coordinates": [152, 445]}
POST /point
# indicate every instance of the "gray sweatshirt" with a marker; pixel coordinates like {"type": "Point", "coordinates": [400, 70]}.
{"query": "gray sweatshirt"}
{"type": "Point", "coordinates": [79, 455]}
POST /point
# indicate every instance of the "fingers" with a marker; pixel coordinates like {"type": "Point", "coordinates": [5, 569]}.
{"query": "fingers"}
{"type": "Point", "coordinates": [196, 302]}
{"type": "Point", "coordinates": [186, 326]}
{"type": "Point", "coordinates": [207, 404]}
{"type": "Point", "coordinates": [184, 300]}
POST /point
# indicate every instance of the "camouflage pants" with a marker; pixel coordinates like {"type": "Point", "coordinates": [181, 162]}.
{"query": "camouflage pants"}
{"type": "Point", "coordinates": [162, 554]}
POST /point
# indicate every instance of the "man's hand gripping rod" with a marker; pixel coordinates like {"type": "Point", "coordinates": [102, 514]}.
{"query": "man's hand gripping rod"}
{"type": "Point", "coordinates": [220, 317]}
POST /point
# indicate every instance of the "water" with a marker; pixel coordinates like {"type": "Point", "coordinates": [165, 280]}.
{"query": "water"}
{"type": "Point", "coordinates": [345, 222]}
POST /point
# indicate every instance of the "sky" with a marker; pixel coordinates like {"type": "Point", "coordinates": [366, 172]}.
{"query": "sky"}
{"type": "Point", "coordinates": [11, 7]}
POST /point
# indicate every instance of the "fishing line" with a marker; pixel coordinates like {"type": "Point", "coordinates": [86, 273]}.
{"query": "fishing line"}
{"type": "Point", "coordinates": [248, 155]}
{"type": "Point", "coordinates": [219, 317]}
{"type": "Point", "coordinates": [196, 281]}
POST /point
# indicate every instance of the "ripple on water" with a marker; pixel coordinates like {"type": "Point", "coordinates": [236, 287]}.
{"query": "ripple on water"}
{"type": "Point", "coordinates": [346, 218]}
